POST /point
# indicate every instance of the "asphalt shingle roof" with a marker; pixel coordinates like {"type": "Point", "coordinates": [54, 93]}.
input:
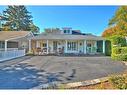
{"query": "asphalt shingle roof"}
{"type": "Point", "coordinates": [67, 37]}
{"type": "Point", "coordinates": [7, 35]}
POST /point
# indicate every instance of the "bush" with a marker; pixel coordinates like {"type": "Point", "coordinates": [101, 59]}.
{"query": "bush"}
{"type": "Point", "coordinates": [116, 50]}
{"type": "Point", "coordinates": [119, 53]}
{"type": "Point", "coordinates": [119, 81]}
{"type": "Point", "coordinates": [119, 57]}
{"type": "Point", "coordinates": [118, 40]}
{"type": "Point", "coordinates": [123, 50]}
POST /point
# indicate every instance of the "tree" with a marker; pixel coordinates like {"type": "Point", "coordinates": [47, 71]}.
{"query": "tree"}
{"type": "Point", "coordinates": [111, 31]}
{"type": "Point", "coordinates": [118, 23]}
{"type": "Point", "coordinates": [2, 19]}
{"type": "Point", "coordinates": [18, 18]}
{"type": "Point", "coordinates": [119, 20]}
{"type": "Point", "coordinates": [108, 32]}
{"type": "Point", "coordinates": [34, 28]}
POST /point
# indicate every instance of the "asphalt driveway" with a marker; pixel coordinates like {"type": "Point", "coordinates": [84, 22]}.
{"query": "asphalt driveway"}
{"type": "Point", "coordinates": [28, 72]}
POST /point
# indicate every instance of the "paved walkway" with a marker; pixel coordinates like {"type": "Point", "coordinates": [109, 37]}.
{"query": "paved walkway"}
{"type": "Point", "coordinates": [28, 72]}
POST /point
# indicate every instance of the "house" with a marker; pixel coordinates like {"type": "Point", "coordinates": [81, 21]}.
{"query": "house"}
{"type": "Point", "coordinates": [13, 44]}
{"type": "Point", "coordinates": [14, 40]}
{"type": "Point", "coordinates": [67, 40]}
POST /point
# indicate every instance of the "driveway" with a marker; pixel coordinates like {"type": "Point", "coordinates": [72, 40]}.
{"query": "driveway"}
{"type": "Point", "coordinates": [28, 72]}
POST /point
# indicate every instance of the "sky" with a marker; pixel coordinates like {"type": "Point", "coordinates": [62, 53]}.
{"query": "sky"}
{"type": "Point", "coordinates": [88, 19]}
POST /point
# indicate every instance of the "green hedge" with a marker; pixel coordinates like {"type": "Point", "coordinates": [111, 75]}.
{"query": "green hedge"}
{"type": "Point", "coordinates": [118, 40]}
{"type": "Point", "coordinates": [119, 53]}
{"type": "Point", "coordinates": [119, 57]}
{"type": "Point", "coordinates": [116, 50]}
{"type": "Point", "coordinates": [124, 50]}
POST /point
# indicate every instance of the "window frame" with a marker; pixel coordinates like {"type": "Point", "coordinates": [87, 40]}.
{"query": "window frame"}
{"type": "Point", "coordinates": [72, 46]}
{"type": "Point", "coordinates": [44, 45]}
{"type": "Point", "coordinates": [67, 31]}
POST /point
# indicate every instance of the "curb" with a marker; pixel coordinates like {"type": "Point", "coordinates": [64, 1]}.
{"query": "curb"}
{"type": "Point", "coordinates": [85, 83]}
{"type": "Point", "coordinates": [56, 85]}
{"type": "Point", "coordinates": [125, 62]}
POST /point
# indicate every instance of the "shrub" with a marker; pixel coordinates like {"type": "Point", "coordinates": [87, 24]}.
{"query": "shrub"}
{"type": "Point", "coordinates": [123, 50]}
{"type": "Point", "coordinates": [118, 40]}
{"type": "Point", "coordinates": [119, 57]}
{"type": "Point", "coordinates": [116, 50]}
{"type": "Point", "coordinates": [119, 81]}
{"type": "Point", "coordinates": [119, 53]}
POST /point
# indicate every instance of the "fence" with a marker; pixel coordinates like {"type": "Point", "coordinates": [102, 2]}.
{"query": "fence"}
{"type": "Point", "coordinates": [10, 54]}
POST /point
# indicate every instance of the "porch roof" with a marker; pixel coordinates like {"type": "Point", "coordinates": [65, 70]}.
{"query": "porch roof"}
{"type": "Point", "coordinates": [66, 37]}
{"type": "Point", "coordinates": [8, 35]}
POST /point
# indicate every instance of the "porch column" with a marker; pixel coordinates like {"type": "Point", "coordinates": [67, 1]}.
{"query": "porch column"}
{"type": "Point", "coordinates": [47, 46]}
{"type": "Point", "coordinates": [84, 46]}
{"type": "Point", "coordinates": [37, 43]}
{"type": "Point", "coordinates": [96, 47]}
{"type": "Point", "coordinates": [104, 46]}
{"type": "Point", "coordinates": [5, 45]}
{"type": "Point", "coordinates": [65, 46]}
{"type": "Point", "coordinates": [29, 45]}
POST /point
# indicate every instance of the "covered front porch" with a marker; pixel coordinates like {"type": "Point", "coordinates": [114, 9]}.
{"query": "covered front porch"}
{"type": "Point", "coordinates": [44, 47]}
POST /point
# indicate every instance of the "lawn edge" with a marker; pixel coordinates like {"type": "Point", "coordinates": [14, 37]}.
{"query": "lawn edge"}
{"type": "Point", "coordinates": [72, 84]}
{"type": "Point", "coordinates": [85, 83]}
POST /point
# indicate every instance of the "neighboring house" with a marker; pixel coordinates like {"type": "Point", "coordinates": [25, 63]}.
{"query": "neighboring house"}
{"type": "Point", "coordinates": [13, 44]}
{"type": "Point", "coordinates": [67, 40]}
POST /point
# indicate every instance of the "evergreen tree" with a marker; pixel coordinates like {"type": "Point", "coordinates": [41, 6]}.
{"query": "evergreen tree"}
{"type": "Point", "coordinates": [34, 28]}
{"type": "Point", "coordinates": [18, 18]}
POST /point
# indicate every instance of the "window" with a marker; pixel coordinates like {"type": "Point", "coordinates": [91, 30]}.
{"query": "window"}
{"type": "Point", "coordinates": [12, 45]}
{"type": "Point", "coordinates": [88, 45]}
{"type": "Point", "coordinates": [72, 46]}
{"type": "Point", "coordinates": [44, 45]}
{"type": "Point", "coordinates": [1, 44]}
{"type": "Point", "coordinates": [80, 44]}
{"type": "Point", "coordinates": [66, 31]}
